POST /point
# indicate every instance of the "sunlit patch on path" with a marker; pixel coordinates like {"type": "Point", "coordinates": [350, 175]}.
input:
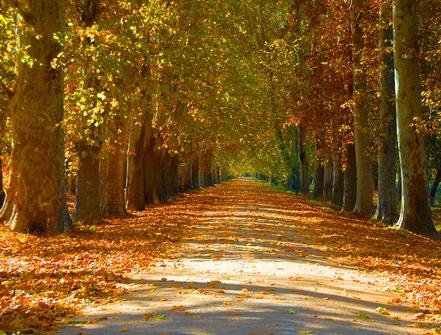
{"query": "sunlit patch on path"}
{"type": "Point", "coordinates": [249, 266]}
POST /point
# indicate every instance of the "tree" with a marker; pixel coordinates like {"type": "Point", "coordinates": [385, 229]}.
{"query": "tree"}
{"type": "Point", "coordinates": [387, 151]}
{"type": "Point", "coordinates": [88, 147]}
{"type": "Point", "coordinates": [37, 190]}
{"type": "Point", "coordinates": [303, 160]}
{"type": "Point", "coordinates": [136, 162]}
{"type": "Point", "coordinates": [112, 170]}
{"type": "Point", "coordinates": [364, 203]}
{"type": "Point", "coordinates": [350, 178]}
{"type": "Point", "coordinates": [415, 212]}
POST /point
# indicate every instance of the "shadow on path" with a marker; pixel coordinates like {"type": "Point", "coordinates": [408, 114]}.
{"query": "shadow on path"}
{"type": "Point", "coordinates": [251, 264]}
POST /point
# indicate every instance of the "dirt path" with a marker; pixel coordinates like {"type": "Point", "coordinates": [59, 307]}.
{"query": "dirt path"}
{"type": "Point", "coordinates": [247, 268]}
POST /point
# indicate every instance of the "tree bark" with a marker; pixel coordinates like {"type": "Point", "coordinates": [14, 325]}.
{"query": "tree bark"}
{"type": "Point", "coordinates": [364, 204]}
{"type": "Point", "coordinates": [71, 184]}
{"type": "Point", "coordinates": [2, 190]}
{"type": "Point", "coordinates": [224, 175]}
{"type": "Point", "coordinates": [415, 214]}
{"type": "Point", "coordinates": [435, 185]}
{"type": "Point", "coordinates": [319, 173]}
{"type": "Point", "coordinates": [338, 182]}
{"type": "Point", "coordinates": [184, 175]}
{"type": "Point", "coordinates": [174, 175]}
{"type": "Point", "coordinates": [350, 178]}
{"type": "Point", "coordinates": [287, 162]}
{"type": "Point", "coordinates": [328, 179]}
{"type": "Point", "coordinates": [208, 168]}
{"type": "Point", "coordinates": [165, 177]}
{"type": "Point", "coordinates": [87, 193]}
{"type": "Point", "coordinates": [38, 192]}
{"type": "Point", "coordinates": [201, 171]}
{"type": "Point", "coordinates": [3, 117]}
{"type": "Point", "coordinates": [112, 172]}
{"type": "Point", "coordinates": [152, 173]}
{"type": "Point", "coordinates": [217, 175]}
{"type": "Point", "coordinates": [170, 176]}
{"type": "Point", "coordinates": [195, 183]}
{"type": "Point", "coordinates": [303, 161]}
{"type": "Point", "coordinates": [387, 154]}
{"type": "Point", "coordinates": [135, 166]}
{"type": "Point", "coordinates": [319, 176]}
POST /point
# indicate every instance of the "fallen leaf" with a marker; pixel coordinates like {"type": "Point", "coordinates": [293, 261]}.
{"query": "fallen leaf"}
{"type": "Point", "coordinates": [179, 308]}
{"type": "Point", "coordinates": [363, 315]}
{"type": "Point", "coordinates": [382, 311]}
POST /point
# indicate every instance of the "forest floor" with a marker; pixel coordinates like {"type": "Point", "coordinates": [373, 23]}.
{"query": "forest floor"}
{"type": "Point", "coordinates": [237, 258]}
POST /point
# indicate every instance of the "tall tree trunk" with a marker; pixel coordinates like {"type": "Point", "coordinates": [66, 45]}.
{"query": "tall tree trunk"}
{"type": "Point", "coordinates": [415, 214]}
{"type": "Point", "coordinates": [387, 154]}
{"type": "Point", "coordinates": [435, 185]}
{"type": "Point", "coordinates": [184, 175]}
{"type": "Point", "coordinates": [319, 176]}
{"type": "Point", "coordinates": [319, 173]}
{"type": "Point", "coordinates": [135, 165]}
{"type": "Point", "coordinates": [170, 176]}
{"type": "Point", "coordinates": [218, 175]}
{"type": "Point", "coordinates": [112, 173]}
{"type": "Point", "coordinates": [87, 193]}
{"type": "Point", "coordinates": [3, 117]}
{"type": "Point", "coordinates": [399, 189]}
{"type": "Point", "coordinates": [203, 165]}
{"type": "Point", "coordinates": [338, 182]}
{"type": "Point", "coordinates": [287, 162]}
{"type": "Point", "coordinates": [195, 172]}
{"type": "Point", "coordinates": [71, 184]}
{"type": "Point", "coordinates": [2, 190]}
{"type": "Point", "coordinates": [165, 177]}
{"type": "Point", "coordinates": [8, 208]}
{"type": "Point", "coordinates": [38, 191]}
{"type": "Point", "coordinates": [303, 160]}
{"type": "Point", "coordinates": [350, 178]}
{"type": "Point", "coordinates": [152, 173]}
{"type": "Point", "coordinates": [364, 204]}
{"type": "Point", "coordinates": [208, 168]}
{"type": "Point", "coordinates": [174, 174]}
{"type": "Point", "coordinates": [224, 175]}
{"type": "Point", "coordinates": [328, 178]}
{"type": "Point", "coordinates": [295, 179]}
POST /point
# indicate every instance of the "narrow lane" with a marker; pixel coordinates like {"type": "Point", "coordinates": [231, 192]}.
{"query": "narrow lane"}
{"type": "Point", "coordinates": [248, 267]}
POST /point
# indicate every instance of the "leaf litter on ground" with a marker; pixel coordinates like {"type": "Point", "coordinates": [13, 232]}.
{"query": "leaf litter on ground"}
{"type": "Point", "coordinates": [46, 281]}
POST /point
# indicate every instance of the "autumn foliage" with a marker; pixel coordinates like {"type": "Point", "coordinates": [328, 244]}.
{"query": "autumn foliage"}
{"type": "Point", "coordinates": [110, 110]}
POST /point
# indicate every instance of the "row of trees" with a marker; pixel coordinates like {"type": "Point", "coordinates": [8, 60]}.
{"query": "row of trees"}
{"type": "Point", "coordinates": [121, 103]}
{"type": "Point", "coordinates": [124, 103]}
{"type": "Point", "coordinates": [365, 72]}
